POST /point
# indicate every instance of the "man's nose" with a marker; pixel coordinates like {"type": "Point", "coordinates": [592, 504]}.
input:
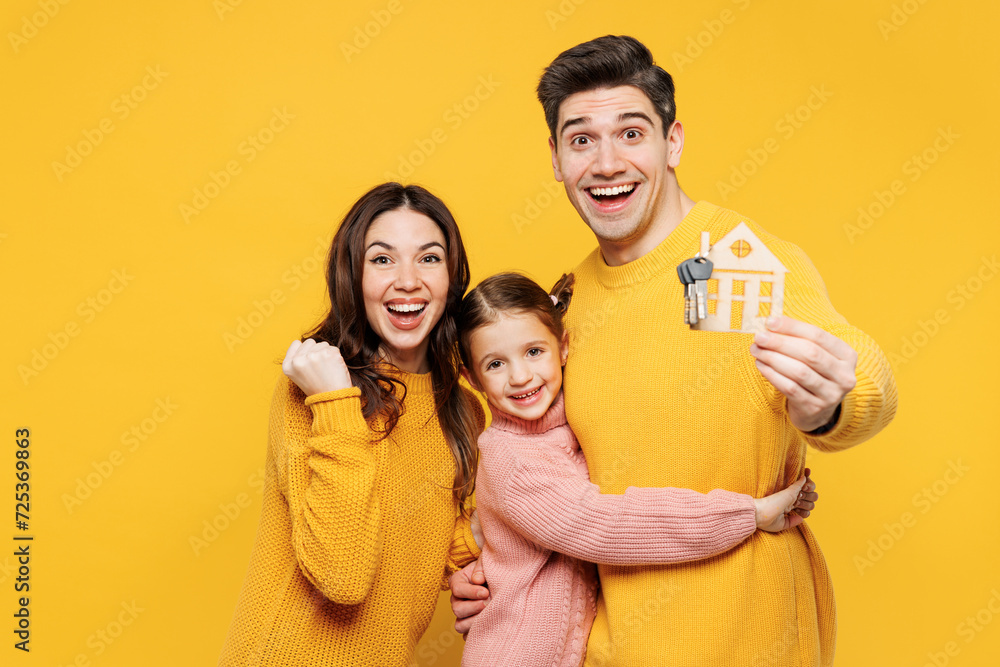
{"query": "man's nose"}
{"type": "Point", "coordinates": [609, 160]}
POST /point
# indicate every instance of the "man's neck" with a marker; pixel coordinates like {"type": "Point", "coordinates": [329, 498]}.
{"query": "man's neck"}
{"type": "Point", "coordinates": [616, 254]}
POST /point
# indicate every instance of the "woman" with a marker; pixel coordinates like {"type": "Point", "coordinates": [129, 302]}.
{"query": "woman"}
{"type": "Point", "coordinates": [371, 454]}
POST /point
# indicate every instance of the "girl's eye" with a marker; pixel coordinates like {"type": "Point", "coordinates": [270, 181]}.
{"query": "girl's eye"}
{"type": "Point", "coordinates": [492, 365]}
{"type": "Point", "coordinates": [534, 352]}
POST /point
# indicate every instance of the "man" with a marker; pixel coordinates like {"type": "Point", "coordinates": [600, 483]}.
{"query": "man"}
{"type": "Point", "coordinates": [654, 403]}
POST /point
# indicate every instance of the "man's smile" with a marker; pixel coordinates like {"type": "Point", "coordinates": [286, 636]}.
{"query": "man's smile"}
{"type": "Point", "coordinates": [611, 198]}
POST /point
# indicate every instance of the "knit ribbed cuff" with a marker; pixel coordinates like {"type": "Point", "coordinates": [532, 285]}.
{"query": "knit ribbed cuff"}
{"type": "Point", "coordinates": [338, 410]}
{"type": "Point", "coordinates": [743, 522]}
{"type": "Point", "coordinates": [859, 405]}
{"type": "Point", "coordinates": [463, 551]}
{"type": "Point", "coordinates": [471, 550]}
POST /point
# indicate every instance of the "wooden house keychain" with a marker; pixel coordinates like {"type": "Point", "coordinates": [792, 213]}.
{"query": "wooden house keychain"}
{"type": "Point", "coordinates": [746, 279]}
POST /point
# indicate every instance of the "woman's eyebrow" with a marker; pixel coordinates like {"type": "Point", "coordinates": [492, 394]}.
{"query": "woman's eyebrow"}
{"type": "Point", "coordinates": [391, 248]}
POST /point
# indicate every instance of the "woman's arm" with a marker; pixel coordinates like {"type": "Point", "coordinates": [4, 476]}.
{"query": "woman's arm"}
{"type": "Point", "coordinates": [465, 548]}
{"type": "Point", "coordinates": [331, 494]}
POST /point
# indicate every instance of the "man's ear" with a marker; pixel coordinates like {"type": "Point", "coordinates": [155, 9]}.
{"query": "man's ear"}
{"type": "Point", "coordinates": [470, 378]}
{"type": "Point", "coordinates": [564, 348]}
{"type": "Point", "coordinates": [555, 160]}
{"type": "Point", "coordinates": [675, 139]}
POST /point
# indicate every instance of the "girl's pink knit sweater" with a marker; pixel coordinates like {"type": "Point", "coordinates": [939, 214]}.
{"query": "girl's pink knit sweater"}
{"type": "Point", "coordinates": [544, 520]}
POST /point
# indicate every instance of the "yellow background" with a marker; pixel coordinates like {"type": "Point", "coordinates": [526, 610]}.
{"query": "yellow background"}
{"type": "Point", "coordinates": [892, 78]}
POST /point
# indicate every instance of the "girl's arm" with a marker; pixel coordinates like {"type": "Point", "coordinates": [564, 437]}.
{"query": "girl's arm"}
{"type": "Point", "coordinates": [562, 511]}
{"type": "Point", "coordinates": [333, 506]}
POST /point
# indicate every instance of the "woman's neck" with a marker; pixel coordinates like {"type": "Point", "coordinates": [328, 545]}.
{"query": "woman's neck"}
{"type": "Point", "coordinates": [411, 361]}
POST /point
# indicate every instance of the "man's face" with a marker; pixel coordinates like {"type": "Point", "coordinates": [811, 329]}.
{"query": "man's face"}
{"type": "Point", "coordinates": [611, 155]}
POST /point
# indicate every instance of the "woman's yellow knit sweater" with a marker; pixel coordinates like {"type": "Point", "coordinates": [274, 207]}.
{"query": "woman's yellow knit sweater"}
{"type": "Point", "coordinates": [356, 537]}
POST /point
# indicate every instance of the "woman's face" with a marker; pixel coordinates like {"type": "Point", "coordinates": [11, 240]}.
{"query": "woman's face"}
{"type": "Point", "coordinates": [405, 284]}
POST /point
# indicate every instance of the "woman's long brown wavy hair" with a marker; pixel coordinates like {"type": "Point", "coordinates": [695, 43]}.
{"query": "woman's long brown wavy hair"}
{"type": "Point", "coordinates": [346, 327]}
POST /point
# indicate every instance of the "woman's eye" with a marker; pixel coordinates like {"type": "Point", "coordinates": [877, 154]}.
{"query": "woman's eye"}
{"type": "Point", "coordinates": [379, 259]}
{"type": "Point", "coordinates": [431, 259]}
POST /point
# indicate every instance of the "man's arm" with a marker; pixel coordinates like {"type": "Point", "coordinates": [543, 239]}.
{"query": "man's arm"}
{"type": "Point", "coordinates": [838, 384]}
{"type": "Point", "coordinates": [814, 369]}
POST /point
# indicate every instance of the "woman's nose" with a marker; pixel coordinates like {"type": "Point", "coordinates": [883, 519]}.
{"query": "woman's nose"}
{"type": "Point", "coordinates": [407, 277]}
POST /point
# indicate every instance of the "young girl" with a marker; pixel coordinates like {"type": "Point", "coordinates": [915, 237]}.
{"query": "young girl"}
{"type": "Point", "coordinates": [544, 522]}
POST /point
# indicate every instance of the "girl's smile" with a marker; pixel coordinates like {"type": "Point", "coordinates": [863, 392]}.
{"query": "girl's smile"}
{"type": "Point", "coordinates": [518, 362]}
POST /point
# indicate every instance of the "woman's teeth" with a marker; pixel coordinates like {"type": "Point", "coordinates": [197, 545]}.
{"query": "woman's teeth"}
{"type": "Point", "coordinates": [406, 307]}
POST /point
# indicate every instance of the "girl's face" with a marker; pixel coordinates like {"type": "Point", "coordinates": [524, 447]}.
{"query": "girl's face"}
{"type": "Point", "coordinates": [405, 284]}
{"type": "Point", "coordinates": [518, 362]}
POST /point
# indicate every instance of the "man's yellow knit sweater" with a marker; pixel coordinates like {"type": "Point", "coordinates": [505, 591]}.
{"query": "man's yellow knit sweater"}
{"type": "Point", "coordinates": [356, 537]}
{"type": "Point", "coordinates": [654, 403]}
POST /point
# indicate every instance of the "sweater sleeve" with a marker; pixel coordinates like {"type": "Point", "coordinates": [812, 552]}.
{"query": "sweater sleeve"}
{"type": "Point", "coordinates": [333, 505]}
{"type": "Point", "coordinates": [871, 405]}
{"type": "Point", "coordinates": [565, 512]}
{"type": "Point", "coordinates": [463, 550]}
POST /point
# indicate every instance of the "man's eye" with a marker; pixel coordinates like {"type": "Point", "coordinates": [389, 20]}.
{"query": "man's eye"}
{"type": "Point", "coordinates": [580, 141]}
{"type": "Point", "coordinates": [632, 134]}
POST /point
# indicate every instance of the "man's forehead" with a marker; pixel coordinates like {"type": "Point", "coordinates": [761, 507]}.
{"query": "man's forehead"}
{"type": "Point", "coordinates": [604, 103]}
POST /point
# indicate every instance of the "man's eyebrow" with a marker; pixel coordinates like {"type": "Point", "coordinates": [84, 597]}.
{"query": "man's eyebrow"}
{"type": "Point", "coordinates": [580, 120]}
{"type": "Point", "coordinates": [628, 115]}
{"type": "Point", "coordinates": [635, 114]}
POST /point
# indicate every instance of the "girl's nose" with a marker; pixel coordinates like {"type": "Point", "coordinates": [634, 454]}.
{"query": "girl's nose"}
{"type": "Point", "coordinates": [519, 374]}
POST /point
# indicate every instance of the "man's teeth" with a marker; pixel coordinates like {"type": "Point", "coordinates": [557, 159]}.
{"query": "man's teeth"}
{"type": "Point", "coordinates": [406, 307]}
{"type": "Point", "coordinates": [617, 190]}
{"type": "Point", "coordinates": [530, 393]}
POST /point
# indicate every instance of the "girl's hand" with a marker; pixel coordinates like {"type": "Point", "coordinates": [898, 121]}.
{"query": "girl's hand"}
{"type": "Point", "coordinates": [786, 509]}
{"type": "Point", "coordinates": [315, 367]}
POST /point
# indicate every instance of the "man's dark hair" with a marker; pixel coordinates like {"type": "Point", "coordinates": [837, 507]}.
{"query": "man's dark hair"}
{"type": "Point", "coordinates": [606, 62]}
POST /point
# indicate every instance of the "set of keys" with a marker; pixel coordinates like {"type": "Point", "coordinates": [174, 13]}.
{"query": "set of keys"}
{"type": "Point", "coordinates": [694, 274]}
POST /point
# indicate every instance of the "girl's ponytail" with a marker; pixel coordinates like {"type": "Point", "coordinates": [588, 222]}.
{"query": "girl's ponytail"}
{"type": "Point", "coordinates": [562, 292]}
